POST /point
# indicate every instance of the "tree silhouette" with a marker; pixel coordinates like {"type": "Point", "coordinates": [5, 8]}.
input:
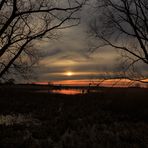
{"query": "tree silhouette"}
{"type": "Point", "coordinates": [25, 22]}
{"type": "Point", "coordinates": [10, 81]}
{"type": "Point", "coordinates": [123, 24]}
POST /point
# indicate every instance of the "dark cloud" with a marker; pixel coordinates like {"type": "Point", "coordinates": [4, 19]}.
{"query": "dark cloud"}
{"type": "Point", "coordinates": [71, 53]}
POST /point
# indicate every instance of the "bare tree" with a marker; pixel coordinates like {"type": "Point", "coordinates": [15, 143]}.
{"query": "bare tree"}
{"type": "Point", "coordinates": [123, 24]}
{"type": "Point", "coordinates": [25, 22]}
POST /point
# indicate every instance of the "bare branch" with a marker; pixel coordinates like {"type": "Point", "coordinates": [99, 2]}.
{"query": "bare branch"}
{"type": "Point", "coordinates": [24, 22]}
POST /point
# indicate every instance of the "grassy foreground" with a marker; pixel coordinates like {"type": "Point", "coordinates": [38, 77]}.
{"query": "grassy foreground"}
{"type": "Point", "coordinates": [114, 118]}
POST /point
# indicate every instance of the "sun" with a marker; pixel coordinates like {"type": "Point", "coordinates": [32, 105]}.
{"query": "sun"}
{"type": "Point", "coordinates": [69, 73]}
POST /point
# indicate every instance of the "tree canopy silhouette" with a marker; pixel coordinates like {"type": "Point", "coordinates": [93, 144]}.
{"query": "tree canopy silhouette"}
{"type": "Point", "coordinates": [23, 22]}
{"type": "Point", "coordinates": [123, 24]}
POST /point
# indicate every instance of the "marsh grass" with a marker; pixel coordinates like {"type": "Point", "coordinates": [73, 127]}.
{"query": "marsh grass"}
{"type": "Point", "coordinates": [116, 118]}
{"type": "Point", "coordinates": [17, 119]}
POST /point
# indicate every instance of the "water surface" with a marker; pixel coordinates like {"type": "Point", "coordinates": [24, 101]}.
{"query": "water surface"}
{"type": "Point", "coordinates": [69, 91]}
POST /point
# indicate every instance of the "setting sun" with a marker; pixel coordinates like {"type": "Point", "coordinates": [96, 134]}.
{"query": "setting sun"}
{"type": "Point", "coordinates": [69, 73]}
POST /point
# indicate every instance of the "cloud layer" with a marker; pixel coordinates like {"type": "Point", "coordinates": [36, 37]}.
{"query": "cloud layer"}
{"type": "Point", "coordinates": [71, 52]}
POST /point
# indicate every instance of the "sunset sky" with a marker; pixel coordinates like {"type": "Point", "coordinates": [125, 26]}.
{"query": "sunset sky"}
{"type": "Point", "coordinates": [71, 54]}
{"type": "Point", "coordinates": [70, 58]}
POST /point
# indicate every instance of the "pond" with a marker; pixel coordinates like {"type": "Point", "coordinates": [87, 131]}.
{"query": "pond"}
{"type": "Point", "coordinates": [67, 91]}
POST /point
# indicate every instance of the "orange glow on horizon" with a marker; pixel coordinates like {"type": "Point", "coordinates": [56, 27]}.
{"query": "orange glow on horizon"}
{"type": "Point", "coordinates": [95, 82]}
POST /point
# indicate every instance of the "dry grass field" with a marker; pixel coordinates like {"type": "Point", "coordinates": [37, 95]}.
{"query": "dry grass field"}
{"type": "Point", "coordinates": [113, 118]}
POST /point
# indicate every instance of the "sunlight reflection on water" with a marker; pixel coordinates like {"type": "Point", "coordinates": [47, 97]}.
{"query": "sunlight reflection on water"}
{"type": "Point", "coordinates": [74, 91]}
{"type": "Point", "coordinates": [67, 91]}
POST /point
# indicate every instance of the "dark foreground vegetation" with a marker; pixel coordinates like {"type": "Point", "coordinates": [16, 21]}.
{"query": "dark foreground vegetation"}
{"type": "Point", "coordinates": [113, 118]}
